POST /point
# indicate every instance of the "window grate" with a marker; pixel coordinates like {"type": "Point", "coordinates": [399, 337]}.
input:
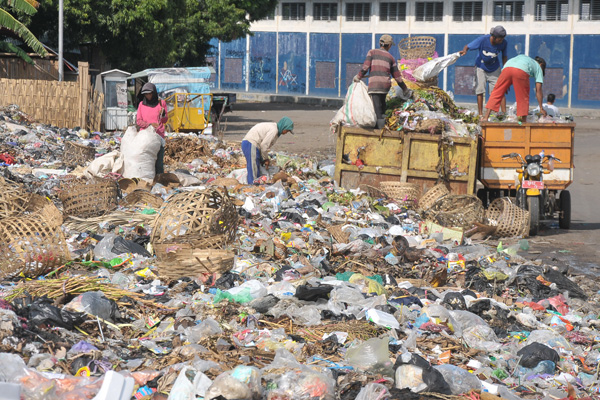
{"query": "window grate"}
{"type": "Point", "coordinates": [509, 10]}
{"type": "Point", "coordinates": [551, 10]}
{"type": "Point", "coordinates": [430, 11]}
{"type": "Point", "coordinates": [467, 11]}
{"type": "Point", "coordinates": [325, 11]}
{"type": "Point", "coordinates": [358, 11]}
{"type": "Point", "coordinates": [293, 11]}
{"type": "Point", "coordinates": [589, 10]}
{"type": "Point", "coordinates": [392, 11]}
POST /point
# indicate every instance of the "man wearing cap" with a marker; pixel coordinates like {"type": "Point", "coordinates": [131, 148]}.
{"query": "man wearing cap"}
{"type": "Point", "coordinates": [487, 63]}
{"type": "Point", "coordinates": [381, 64]}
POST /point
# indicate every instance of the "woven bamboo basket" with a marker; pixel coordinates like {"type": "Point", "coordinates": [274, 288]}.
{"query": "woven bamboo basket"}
{"type": "Point", "coordinates": [417, 47]}
{"type": "Point", "coordinates": [30, 246]}
{"type": "Point", "coordinates": [185, 259]}
{"type": "Point", "coordinates": [373, 191]}
{"type": "Point", "coordinates": [43, 207]}
{"type": "Point", "coordinates": [13, 199]}
{"type": "Point", "coordinates": [457, 211]}
{"type": "Point", "coordinates": [195, 214]}
{"type": "Point", "coordinates": [407, 194]}
{"type": "Point", "coordinates": [142, 198]}
{"type": "Point", "coordinates": [508, 218]}
{"type": "Point", "coordinates": [77, 154]}
{"type": "Point", "coordinates": [338, 234]}
{"type": "Point", "coordinates": [88, 198]}
{"type": "Point", "coordinates": [432, 195]}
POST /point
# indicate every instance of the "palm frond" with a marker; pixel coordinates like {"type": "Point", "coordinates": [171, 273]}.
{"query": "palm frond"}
{"type": "Point", "coordinates": [11, 48]}
{"type": "Point", "coordinates": [27, 6]}
{"type": "Point", "coordinates": [9, 22]}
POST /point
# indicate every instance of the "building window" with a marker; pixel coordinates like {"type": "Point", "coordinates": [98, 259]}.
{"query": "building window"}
{"type": "Point", "coordinates": [467, 11]}
{"type": "Point", "coordinates": [392, 11]}
{"type": "Point", "coordinates": [293, 11]}
{"type": "Point", "coordinates": [551, 10]}
{"type": "Point", "coordinates": [589, 10]}
{"type": "Point", "coordinates": [325, 73]}
{"type": "Point", "coordinates": [509, 10]}
{"type": "Point", "coordinates": [325, 11]}
{"type": "Point", "coordinates": [358, 11]}
{"type": "Point", "coordinates": [430, 10]}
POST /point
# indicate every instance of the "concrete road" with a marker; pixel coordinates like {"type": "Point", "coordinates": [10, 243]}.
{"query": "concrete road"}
{"type": "Point", "coordinates": [578, 247]}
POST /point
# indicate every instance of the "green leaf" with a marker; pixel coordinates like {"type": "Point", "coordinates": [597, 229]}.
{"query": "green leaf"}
{"type": "Point", "coordinates": [27, 6]}
{"type": "Point", "coordinates": [7, 21]}
{"type": "Point", "coordinates": [11, 48]}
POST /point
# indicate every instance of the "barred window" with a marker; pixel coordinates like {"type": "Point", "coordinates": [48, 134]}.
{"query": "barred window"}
{"type": "Point", "coordinates": [293, 11]}
{"type": "Point", "coordinates": [430, 10]}
{"type": "Point", "coordinates": [467, 11]}
{"type": "Point", "coordinates": [325, 11]}
{"type": "Point", "coordinates": [509, 10]}
{"type": "Point", "coordinates": [392, 11]}
{"type": "Point", "coordinates": [589, 10]}
{"type": "Point", "coordinates": [551, 10]}
{"type": "Point", "coordinates": [358, 11]}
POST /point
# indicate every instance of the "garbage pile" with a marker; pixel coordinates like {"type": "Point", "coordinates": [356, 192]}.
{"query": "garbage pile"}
{"type": "Point", "coordinates": [197, 286]}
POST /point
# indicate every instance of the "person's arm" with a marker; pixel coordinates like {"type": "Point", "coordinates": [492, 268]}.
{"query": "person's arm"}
{"type": "Point", "coordinates": [539, 94]}
{"type": "Point", "coordinates": [366, 67]}
{"type": "Point", "coordinates": [398, 76]}
{"type": "Point", "coordinates": [504, 52]}
{"type": "Point", "coordinates": [475, 44]}
{"type": "Point", "coordinates": [140, 118]}
{"type": "Point", "coordinates": [165, 117]}
{"type": "Point", "coordinates": [464, 50]}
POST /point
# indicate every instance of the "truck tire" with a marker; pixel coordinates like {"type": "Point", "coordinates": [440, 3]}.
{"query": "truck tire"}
{"type": "Point", "coordinates": [564, 216]}
{"type": "Point", "coordinates": [533, 205]}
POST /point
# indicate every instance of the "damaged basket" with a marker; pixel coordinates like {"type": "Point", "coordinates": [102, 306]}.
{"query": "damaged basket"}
{"type": "Point", "coordinates": [191, 259]}
{"type": "Point", "coordinates": [13, 199]}
{"type": "Point", "coordinates": [406, 194]}
{"type": "Point", "coordinates": [508, 218]}
{"type": "Point", "coordinates": [457, 211]}
{"type": "Point", "coordinates": [77, 154]}
{"type": "Point", "coordinates": [42, 207]}
{"type": "Point", "coordinates": [432, 195]}
{"type": "Point", "coordinates": [141, 198]}
{"type": "Point", "coordinates": [88, 198]}
{"type": "Point", "coordinates": [30, 246]}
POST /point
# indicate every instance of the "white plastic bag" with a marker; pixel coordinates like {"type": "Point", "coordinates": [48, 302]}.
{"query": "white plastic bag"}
{"type": "Point", "coordinates": [432, 68]}
{"type": "Point", "coordinates": [357, 110]}
{"type": "Point", "coordinates": [139, 150]}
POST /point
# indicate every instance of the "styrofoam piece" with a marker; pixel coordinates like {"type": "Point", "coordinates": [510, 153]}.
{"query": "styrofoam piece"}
{"type": "Point", "coordinates": [115, 387]}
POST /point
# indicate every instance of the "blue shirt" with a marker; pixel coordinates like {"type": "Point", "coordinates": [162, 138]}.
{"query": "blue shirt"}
{"type": "Point", "coordinates": [487, 59]}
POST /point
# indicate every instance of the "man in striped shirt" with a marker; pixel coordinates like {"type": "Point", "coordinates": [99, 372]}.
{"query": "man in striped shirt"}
{"type": "Point", "coordinates": [381, 64]}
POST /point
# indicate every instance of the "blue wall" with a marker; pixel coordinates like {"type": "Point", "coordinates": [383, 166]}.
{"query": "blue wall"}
{"type": "Point", "coordinates": [555, 49]}
{"type": "Point", "coordinates": [586, 65]}
{"type": "Point", "coordinates": [324, 57]}
{"type": "Point", "coordinates": [263, 68]}
{"type": "Point", "coordinates": [233, 76]}
{"type": "Point", "coordinates": [291, 77]}
{"type": "Point", "coordinates": [355, 47]}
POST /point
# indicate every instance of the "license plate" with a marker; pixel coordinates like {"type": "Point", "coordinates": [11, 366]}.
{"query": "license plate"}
{"type": "Point", "coordinates": [533, 185]}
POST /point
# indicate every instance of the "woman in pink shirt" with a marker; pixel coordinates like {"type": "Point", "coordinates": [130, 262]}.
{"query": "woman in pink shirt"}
{"type": "Point", "coordinates": [153, 112]}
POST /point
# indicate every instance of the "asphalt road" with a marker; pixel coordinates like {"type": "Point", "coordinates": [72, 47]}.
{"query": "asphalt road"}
{"type": "Point", "coordinates": [578, 247]}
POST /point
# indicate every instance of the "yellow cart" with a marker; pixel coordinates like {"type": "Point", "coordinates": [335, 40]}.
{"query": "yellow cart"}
{"type": "Point", "coordinates": [189, 111]}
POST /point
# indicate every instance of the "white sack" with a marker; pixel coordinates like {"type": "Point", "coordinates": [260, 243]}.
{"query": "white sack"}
{"type": "Point", "coordinates": [357, 110]}
{"type": "Point", "coordinates": [102, 166]}
{"type": "Point", "coordinates": [432, 68]}
{"type": "Point", "coordinates": [139, 150]}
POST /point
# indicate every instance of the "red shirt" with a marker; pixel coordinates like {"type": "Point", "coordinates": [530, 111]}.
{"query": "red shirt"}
{"type": "Point", "coordinates": [147, 115]}
{"type": "Point", "coordinates": [380, 64]}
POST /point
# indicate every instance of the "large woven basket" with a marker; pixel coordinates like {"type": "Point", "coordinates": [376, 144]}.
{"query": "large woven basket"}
{"type": "Point", "coordinates": [30, 246]}
{"type": "Point", "coordinates": [432, 195]}
{"type": "Point", "coordinates": [13, 199]}
{"type": "Point", "coordinates": [141, 198]}
{"type": "Point", "coordinates": [404, 193]}
{"type": "Point", "coordinates": [457, 211]}
{"type": "Point", "coordinates": [42, 207]}
{"type": "Point", "coordinates": [88, 198]}
{"type": "Point", "coordinates": [185, 259]}
{"type": "Point", "coordinates": [417, 47]}
{"type": "Point", "coordinates": [508, 218]}
{"type": "Point", "coordinates": [193, 215]}
{"type": "Point", "coordinates": [77, 154]}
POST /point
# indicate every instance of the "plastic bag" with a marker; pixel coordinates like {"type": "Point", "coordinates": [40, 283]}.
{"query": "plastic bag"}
{"type": "Point", "coordinates": [101, 166]}
{"type": "Point", "coordinates": [481, 337]}
{"type": "Point", "coordinates": [373, 391]}
{"type": "Point", "coordinates": [459, 380]}
{"type": "Point", "coordinates": [241, 383]}
{"type": "Point", "coordinates": [532, 354]}
{"type": "Point", "coordinates": [357, 110]}
{"type": "Point", "coordinates": [432, 68]}
{"type": "Point", "coordinates": [139, 150]}
{"type": "Point", "coordinates": [103, 249]}
{"type": "Point", "coordinates": [95, 303]}
{"type": "Point", "coordinates": [372, 355]}
{"type": "Point", "coordinates": [415, 373]}
{"type": "Point", "coordinates": [42, 311]}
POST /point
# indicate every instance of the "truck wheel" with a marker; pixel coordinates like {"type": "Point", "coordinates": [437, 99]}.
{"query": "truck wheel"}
{"type": "Point", "coordinates": [564, 216]}
{"type": "Point", "coordinates": [533, 205]}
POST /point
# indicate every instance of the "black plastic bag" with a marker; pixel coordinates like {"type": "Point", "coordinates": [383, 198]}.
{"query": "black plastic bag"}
{"type": "Point", "coordinates": [564, 283]}
{"type": "Point", "coordinates": [313, 293]}
{"type": "Point", "coordinates": [41, 311]}
{"type": "Point", "coordinates": [121, 246]}
{"type": "Point", "coordinates": [455, 300]}
{"type": "Point", "coordinates": [533, 353]}
{"type": "Point", "coordinates": [431, 377]}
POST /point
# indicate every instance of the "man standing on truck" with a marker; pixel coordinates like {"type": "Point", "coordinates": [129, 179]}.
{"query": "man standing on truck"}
{"type": "Point", "coordinates": [517, 72]}
{"type": "Point", "coordinates": [487, 64]}
{"type": "Point", "coordinates": [381, 64]}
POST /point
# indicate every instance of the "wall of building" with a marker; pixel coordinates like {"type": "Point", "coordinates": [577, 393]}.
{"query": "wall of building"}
{"type": "Point", "coordinates": [319, 58]}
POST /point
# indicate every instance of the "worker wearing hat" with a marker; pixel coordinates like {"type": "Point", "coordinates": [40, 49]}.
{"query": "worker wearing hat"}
{"type": "Point", "coordinates": [380, 64]}
{"type": "Point", "coordinates": [487, 63]}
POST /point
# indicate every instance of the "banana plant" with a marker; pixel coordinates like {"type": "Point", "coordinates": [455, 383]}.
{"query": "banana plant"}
{"type": "Point", "coordinates": [7, 21]}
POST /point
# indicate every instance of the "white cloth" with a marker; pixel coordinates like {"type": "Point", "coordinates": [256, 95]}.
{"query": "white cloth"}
{"type": "Point", "coordinates": [263, 136]}
{"type": "Point", "coordinates": [551, 109]}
